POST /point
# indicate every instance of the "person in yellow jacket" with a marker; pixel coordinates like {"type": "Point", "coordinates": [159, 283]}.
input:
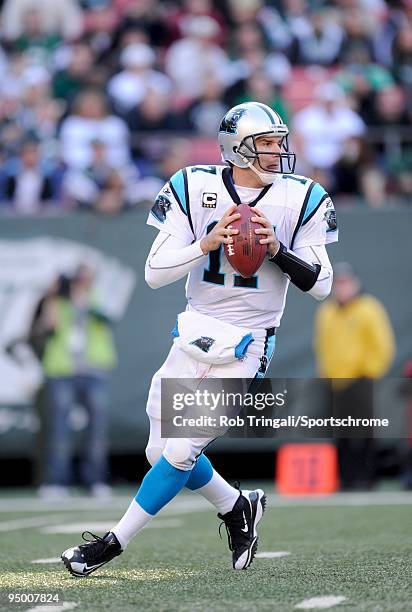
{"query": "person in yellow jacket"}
{"type": "Point", "coordinates": [78, 355]}
{"type": "Point", "coordinates": [354, 342]}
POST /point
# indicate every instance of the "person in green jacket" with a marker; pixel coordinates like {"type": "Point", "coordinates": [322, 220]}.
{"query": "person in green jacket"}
{"type": "Point", "coordinates": [78, 356]}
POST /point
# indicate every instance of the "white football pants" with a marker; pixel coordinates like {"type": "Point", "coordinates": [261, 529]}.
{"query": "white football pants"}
{"type": "Point", "coordinates": [182, 452]}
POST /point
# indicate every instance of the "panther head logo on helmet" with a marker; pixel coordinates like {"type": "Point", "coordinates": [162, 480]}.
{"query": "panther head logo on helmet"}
{"type": "Point", "coordinates": [230, 120]}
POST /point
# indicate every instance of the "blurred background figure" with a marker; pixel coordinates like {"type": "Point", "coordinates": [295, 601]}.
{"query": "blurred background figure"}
{"type": "Point", "coordinates": [199, 51]}
{"type": "Point", "coordinates": [251, 54]}
{"type": "Point", "coordinates": [89, 121]}
{"type": "Point", "coordinates": [190, 9]}
{"type": "Point", "coordinates": [78, 354]}
{"type": "Point", "coordinates": [321, 131]}
{"type": "Point", "coordinates": [101, 186]}
{"type": "Point", "coordinates": [63, 18]}
{"type": "Point", "coordinates": [29, 184]}
{"type": "Point", "coordinates": [155, 114]}
{"type": "Point", "coordinates": [73, 71]}
{"type": "Point", "coordinates": [354, 342]}
{"type": "Point", "coordinates": [207, 110]}
{"type": "Point", "coordinates": [320, 43]}
{"type": "Point", "coordinates": [144, 19]}
{"type": "Point", "coordinates": [130, 86]}
{"type": "Point", "coordinates": [34, 39]}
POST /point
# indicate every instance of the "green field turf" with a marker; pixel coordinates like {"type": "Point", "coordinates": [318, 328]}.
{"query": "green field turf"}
{"type": "Point", "coordinates": [355, 546]}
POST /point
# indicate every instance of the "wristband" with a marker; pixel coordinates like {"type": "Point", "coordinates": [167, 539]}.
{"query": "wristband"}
{"type": "Point", "coordinates": [301, 273]}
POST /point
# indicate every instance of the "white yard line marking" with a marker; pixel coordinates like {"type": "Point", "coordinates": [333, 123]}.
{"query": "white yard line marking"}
{"type": "Point", "coordinates": [321, 603]}
{"type": "Point", "coordinates": [183, 504]}
{"type": "Point", "coordinates": [26, 523]}
{"type": "Point", "coordinates": [104, 526]}
{"type": "Point", "coordinates": [375, 498]}
{"type": "Point", "coordinates": [164, 523]}
{"type": "Point", "coordinates": [272, 555]}
{"type": "Point", "coordinates": [191, 503]}
{"type": "Point", "coordinates": [49, 560]}
{"type": "Point", "coordinates": [66, 605]}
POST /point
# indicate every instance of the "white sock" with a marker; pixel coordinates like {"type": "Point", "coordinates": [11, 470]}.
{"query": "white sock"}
{"type": "Point", "coordinates": [133, 520]}
{"type": "Point", "coordinates": [219, 493]}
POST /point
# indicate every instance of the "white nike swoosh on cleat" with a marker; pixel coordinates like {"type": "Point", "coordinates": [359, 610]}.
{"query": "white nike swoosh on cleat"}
{"type": "Point", "coordinates": [87, 568]}
{"type": "Point", "coordinates": [245, 529]}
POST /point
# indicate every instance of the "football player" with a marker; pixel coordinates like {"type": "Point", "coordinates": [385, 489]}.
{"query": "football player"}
{"type": "Point", "coordinates": [193, 213]}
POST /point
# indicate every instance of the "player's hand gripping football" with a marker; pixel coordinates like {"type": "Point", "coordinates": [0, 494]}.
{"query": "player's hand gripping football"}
{"type": "Point", "coordinates": [220, 234]}
{"type": "Point", "coordinates": [268, 233]}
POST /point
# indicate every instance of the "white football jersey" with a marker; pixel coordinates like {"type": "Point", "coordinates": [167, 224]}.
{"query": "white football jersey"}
{"type": "Point", "coordinates": [194, 200]}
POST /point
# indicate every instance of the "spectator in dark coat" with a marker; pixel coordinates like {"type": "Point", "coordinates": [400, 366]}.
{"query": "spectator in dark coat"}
{"type": "Point", "coordinates": [27, 184]}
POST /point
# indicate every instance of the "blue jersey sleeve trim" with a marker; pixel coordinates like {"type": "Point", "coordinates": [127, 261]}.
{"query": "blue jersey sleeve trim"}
{"type": "Point", "coordinates": [187, 199]}
{"type": "Point", "coordinates": [311, 214]}
{"type": "Point", "coordinates": [177, 185]}
{"type": "Point", "coordinates": [302, 213]}
{"type": "Point", "coordinates": [316, 197]}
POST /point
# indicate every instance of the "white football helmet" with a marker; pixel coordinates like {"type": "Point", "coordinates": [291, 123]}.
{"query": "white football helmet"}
{"type": "Point", "coordinates": [238, 131]}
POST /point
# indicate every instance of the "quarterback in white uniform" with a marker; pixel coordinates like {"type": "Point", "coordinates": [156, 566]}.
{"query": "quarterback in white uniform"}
{"type": "Point", "coordinates": [193, 213]}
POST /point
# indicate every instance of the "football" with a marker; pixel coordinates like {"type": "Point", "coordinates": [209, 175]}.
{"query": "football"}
{"type": "Point", "coordinates": [246, 254]}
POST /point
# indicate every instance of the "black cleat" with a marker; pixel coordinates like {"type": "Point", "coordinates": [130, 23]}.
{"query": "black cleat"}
{"type": "Point", "coordinates": [241, 523]}
{"type": "Point", "coordinates": [86, 558]}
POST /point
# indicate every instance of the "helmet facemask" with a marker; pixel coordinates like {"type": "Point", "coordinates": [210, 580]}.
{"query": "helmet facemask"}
{"type": "Point", "coordinates": [248, 150]}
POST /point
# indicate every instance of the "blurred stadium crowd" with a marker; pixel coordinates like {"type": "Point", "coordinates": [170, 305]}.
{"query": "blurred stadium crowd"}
{"type": "Point", "coordinates": [101, 101]}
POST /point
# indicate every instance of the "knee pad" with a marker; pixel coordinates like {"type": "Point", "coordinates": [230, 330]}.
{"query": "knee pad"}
{"type": "Point", "coordinates": [179, 453]}
{"type": "Point", "coordinates": [153, 454]}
